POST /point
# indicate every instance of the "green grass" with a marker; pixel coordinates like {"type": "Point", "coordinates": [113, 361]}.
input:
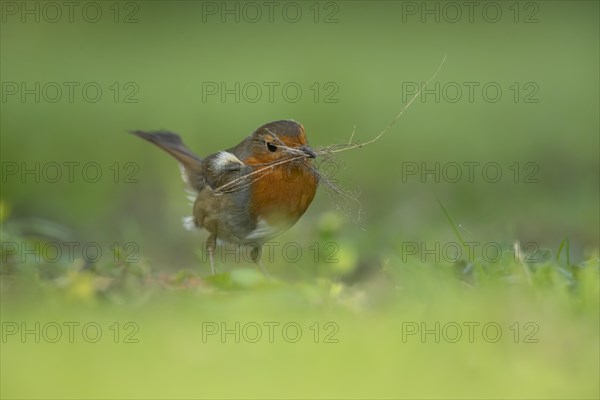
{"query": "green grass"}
{"type": "Point", "coordinates": [370, 315]}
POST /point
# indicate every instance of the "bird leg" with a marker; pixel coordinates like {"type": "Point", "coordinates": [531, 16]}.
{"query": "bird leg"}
{"type": "Point", "coordinates": [211, 244]}
{"type": "Point", "coordinates": [255, 255]}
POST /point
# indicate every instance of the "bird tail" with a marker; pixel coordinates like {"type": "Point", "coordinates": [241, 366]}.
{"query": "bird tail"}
{"type": "Point", "coordinates": [191, 164]}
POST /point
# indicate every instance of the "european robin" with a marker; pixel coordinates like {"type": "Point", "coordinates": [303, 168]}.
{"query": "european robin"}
{"type": "Point", "coordinates": [252, 192]}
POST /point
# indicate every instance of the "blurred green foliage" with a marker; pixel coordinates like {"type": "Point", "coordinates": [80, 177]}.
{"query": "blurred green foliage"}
{"type": "Point", "coordinates": [544, 322]}
{"type": "Point", "coordinates": [369, 54]}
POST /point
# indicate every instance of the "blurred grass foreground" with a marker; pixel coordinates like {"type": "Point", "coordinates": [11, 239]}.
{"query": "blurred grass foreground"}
{"type": "Point", "coordinates": [380, 328]}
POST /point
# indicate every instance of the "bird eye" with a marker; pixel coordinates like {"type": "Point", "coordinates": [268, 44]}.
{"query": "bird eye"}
{"type": "Point", "coordinates": [272, 148]}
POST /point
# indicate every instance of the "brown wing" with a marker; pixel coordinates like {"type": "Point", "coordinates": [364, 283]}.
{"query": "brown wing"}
{"type": "Point", "coordinates": [225, 173]}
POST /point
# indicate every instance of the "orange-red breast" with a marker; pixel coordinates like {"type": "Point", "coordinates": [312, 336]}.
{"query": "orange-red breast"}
{"type": "Point", "coordinates": [249, 193]}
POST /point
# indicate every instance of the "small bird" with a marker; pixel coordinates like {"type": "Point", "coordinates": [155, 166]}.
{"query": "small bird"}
{"type": "Point", "coordinates": [252, 192]}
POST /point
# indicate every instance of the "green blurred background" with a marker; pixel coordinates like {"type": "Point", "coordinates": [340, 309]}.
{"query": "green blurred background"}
{"type": "Point", "coordinates": [369, 50]}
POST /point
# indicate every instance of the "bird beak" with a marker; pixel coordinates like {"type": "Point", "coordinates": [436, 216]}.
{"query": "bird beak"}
{"type": "Point", "coordinates": [308, 151]}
